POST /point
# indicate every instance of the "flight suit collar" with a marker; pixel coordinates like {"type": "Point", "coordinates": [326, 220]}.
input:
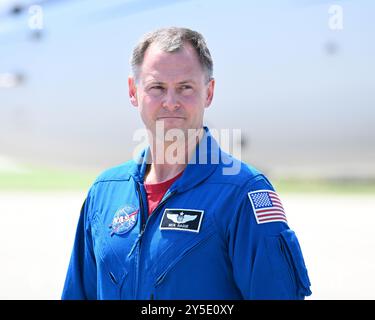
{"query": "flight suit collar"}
{"type": "Point", "coordinates": [202, 164]}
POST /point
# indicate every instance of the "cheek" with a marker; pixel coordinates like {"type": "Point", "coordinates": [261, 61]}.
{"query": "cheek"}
{"type": "Point", "coordinates": [194, 104]}
{"type": "Point", "coordinates": [146, 99]}
{"type": "Point", "coordinates": [193, 100]}
{"type": "Point", "coordinates": [149, 103]}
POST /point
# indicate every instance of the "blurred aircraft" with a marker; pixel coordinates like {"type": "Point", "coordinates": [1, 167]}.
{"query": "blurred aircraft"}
{"type": "Point", "coordinates": [300, 90]}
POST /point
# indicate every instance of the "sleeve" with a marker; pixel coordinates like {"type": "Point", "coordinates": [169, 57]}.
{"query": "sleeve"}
{"type": "Point", "coordinates": [266, 257]}
{"type": "Point", "coordinates": [80, 282]}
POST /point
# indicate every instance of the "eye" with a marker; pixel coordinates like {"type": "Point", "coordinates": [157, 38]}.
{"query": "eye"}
{"type": "Point", "coordinates": [186, 89]}
{"type": "Point", "coordinates": [156, 90]}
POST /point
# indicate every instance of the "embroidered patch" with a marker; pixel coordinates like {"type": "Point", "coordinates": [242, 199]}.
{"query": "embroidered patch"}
{"type": "Point", "coordinates": [267, 206]}
{"type": "Point", "coordinates": [181, 219]}
{"type": "Point", "coordinates": [124, 219]}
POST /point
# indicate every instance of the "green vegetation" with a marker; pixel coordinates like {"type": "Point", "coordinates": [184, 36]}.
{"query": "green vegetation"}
{"type": "Point", "coordinates": [338, 186]}
{"type": "Point", "coordinates": [45, 179]}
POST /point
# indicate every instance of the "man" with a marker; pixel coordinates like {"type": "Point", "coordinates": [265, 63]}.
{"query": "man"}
{"type": "Point", "coordinates": [153, 228]}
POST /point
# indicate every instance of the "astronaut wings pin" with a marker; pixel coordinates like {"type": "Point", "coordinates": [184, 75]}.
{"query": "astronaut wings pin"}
{"type": "Point", "coordinates": [182, 220]}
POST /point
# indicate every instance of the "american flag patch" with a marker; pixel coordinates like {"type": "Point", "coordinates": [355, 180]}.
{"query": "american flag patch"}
{"type": "Point", "coordinates": [267, 206]}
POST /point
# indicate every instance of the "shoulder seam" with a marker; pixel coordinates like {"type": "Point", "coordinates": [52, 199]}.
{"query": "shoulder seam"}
{"type": "Point", "coordinates": [110, 179]}
{"type": "Point", "coordinates": [239, 191]}
{"type": "Point", "coordinates": [244, 182]}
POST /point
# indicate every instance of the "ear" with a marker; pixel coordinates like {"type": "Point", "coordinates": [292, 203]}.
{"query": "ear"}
{"type": "Point", "coordinates": [210, 92]}
{"type": "Point", "coordinates": [133, 91]}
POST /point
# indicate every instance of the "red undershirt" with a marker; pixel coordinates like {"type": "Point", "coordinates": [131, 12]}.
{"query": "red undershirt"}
{"type": "Point", "coordinates": [156, 191]}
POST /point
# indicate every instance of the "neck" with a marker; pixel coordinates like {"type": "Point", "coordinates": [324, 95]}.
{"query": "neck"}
{"type": "Point", "coordinates": [169, 158]}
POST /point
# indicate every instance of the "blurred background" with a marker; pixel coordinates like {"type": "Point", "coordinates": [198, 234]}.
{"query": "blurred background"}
{"type": "Point", "coordinates": [297, 77]}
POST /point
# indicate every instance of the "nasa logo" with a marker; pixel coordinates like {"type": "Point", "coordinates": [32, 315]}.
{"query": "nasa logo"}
{"type": "Point", "coordinates": [181, 219]}
{"type": "Point", "coordinates": [124, 220]}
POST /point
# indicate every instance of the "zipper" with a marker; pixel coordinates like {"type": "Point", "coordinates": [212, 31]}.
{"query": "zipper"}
{"type": "Point", "coordinates": [140, 199]}
{"type": "Point", "coordinates": [141, 212]}
{"type": "Point", "coordinates": [144, 223]}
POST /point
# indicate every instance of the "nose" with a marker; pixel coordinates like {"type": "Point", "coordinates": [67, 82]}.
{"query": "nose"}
{"type": "Point", "coordinates": [171, 101]}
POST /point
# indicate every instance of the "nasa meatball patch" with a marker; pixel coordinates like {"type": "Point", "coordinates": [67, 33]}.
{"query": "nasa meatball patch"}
{"type": "Point", "coordinates": [124, 220]}
{"type": "Point", "coordinates": [181, 220]}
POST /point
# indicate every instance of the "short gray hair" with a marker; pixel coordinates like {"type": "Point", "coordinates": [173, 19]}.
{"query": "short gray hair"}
{"type": "Point", "coordinates": [173, 39]}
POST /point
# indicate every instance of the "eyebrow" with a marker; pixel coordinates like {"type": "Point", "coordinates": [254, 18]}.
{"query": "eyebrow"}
{"type": "Point", "coordinates": [186, 81]}
{"type": "Point", "coordinates": [162, 83]}
{"type": "Point", "coordinates": [159, 83]}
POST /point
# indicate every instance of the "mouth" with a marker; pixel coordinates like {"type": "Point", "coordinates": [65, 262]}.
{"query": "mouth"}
{"type": "Point", "coordinates": [162, 118]}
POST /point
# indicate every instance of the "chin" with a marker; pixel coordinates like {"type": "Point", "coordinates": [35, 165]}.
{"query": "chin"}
{"type": "Point", "coordinates": [174, 123]}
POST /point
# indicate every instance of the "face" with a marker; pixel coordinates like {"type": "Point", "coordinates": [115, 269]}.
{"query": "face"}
{"type": "Point", "coordinates": [171, 88]}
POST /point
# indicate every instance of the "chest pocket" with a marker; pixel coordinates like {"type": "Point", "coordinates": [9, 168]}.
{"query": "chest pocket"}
{"type": "Point", "coordinates": [180, 244]}
{"type": "Point", "coordinates": [111, 270]}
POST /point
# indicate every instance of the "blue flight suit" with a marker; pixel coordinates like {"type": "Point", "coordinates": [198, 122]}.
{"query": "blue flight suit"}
{"type": "Point", "coordinates": [205, 240]}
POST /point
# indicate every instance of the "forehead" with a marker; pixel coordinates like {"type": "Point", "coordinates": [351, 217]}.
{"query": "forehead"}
{"type": "Point", "coordinates": [165, 66]}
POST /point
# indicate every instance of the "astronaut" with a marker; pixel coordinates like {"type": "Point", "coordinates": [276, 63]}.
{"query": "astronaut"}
{"type": "Point", "coordinates": [152, 228]}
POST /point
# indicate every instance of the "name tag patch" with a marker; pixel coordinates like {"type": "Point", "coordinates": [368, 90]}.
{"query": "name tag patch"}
{"type": "Point", "coordinates": [182, 220]}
